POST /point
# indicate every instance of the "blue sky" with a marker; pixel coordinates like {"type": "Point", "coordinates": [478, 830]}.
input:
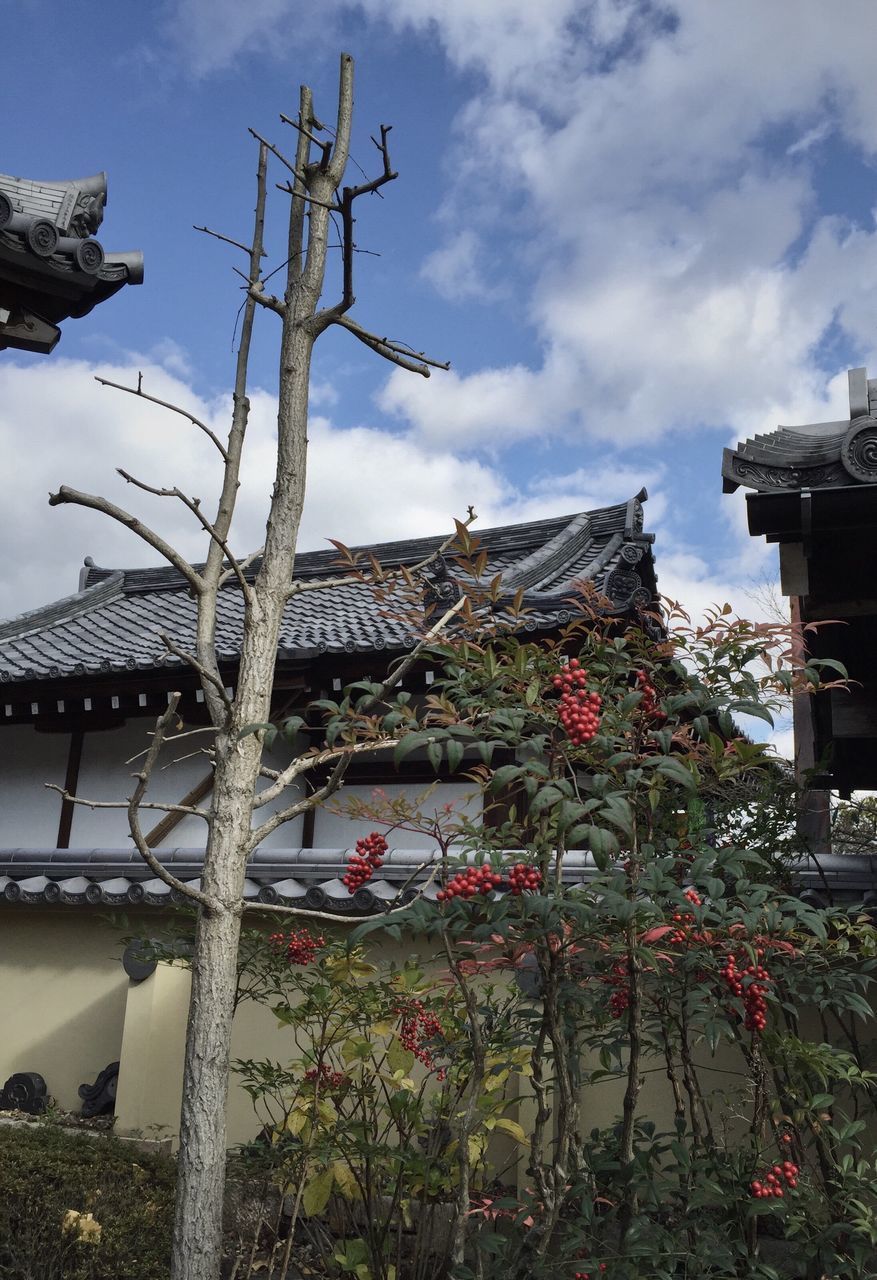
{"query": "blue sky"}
{"type": "Point", "coordinates": [637, 231]}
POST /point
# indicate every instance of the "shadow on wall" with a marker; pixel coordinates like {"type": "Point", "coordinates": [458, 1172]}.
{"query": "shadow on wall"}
{"type": "Point", "coordinates": [63, 993]}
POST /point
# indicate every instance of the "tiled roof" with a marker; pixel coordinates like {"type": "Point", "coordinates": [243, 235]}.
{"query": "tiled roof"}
{"type": "Point", "coordinates": [311, 878]}
{"type": "Point", "coordinates": [113, 622]}
{"type": "Point", "coordinates": [820, 455]}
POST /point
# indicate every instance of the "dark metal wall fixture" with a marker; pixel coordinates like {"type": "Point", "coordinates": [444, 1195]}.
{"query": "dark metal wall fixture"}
{"type": "Point", "coordinates": [24, 1091]}
{"type": "Point", "coordinates": [99, 1099]}
{"type": "Point", "coordinates": [51, 265]}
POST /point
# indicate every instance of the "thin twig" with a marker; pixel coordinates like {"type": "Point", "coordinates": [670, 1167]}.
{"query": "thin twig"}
{"type": "Point", "coordinates": [136, 800]}
{"type": "Point", "coordinates": [167, 404]}
{"type": "Point", "coordinates": [123, 804]}
{"type": "Point", "coordinates": [217, 235]}
{"type": "Point", "coordinates": [192, 661]}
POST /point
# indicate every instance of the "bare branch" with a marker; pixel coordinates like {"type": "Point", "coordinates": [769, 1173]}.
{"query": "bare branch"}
{"type": "Point", "coordinates": [396, 352]}
{"type": "Point", "coordinates": [268, 300]}
{"type": "Point", "coordinates": [174, 737]}
{"type": "Point", "coordinates": [192, 661]}
{"type": "Point", "coordinates": [471, 517]}
{"type": "Point", "coordinates": [408, 662]}
{"type": "Point", "coordinates": [243, 565]}
{"type": "Point", "coordinates": [333, 917]}
{"type": "Point", "coordinates": [325, 147]}
{"type": "Point", "coordinates": [302, 195]}
{"type": "Point", "coordinates": [136, 800]}
{"type": "Point", "coordinates": [274, 150]}
{"type": "Point", "coordinates": [217, 235]}
{"type": "Point", "coordinates": [317, 584]}
{"type": "Point", "coordinates": [107, 508]}
{"type": "Point", "coordinates": [167, 404]}
{"type": "Point", "coordinates": [185, 809]}
{"type": "Point", "coordinates": [388, 175]}
{"type": "Point", "coordinates": [193, 505]}
{"type": "Point", "coordinates": [304, 764]}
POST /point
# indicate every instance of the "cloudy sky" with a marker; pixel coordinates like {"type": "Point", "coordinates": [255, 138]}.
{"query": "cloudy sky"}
{"type": "Point", "coordinates": [638, 231]}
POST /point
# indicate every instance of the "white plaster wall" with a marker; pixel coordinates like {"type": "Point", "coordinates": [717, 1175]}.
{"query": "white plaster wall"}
{"type": "Point", "coordinates": [29, 814]}
{"type": "Point", "coordinates": [289, 835]}
{"type": "Point", "coordinates": [105, 774]}
{"type": "Point", "coordinates": [334, 831]}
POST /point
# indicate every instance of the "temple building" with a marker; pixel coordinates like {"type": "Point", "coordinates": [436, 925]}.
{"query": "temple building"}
{"type": "Point", "coordinates": [82, 681]}
{"type": "Point", "coordinates": [814, 493]}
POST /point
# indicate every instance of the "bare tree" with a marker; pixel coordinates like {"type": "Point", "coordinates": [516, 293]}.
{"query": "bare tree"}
{"type": "Point", "coordinates": [265, 581]}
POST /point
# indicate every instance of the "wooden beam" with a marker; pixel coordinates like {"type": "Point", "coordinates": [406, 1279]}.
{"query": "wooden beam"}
{"type": "Point", "coordinates": [71, 782]}
{"type": "Point", "coordinates": [163, 829]}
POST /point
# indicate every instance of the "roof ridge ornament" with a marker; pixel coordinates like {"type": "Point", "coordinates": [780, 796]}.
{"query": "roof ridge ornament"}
{"type": "Point", "coordinates": [51, 266]}
{"type": "Point", "coordinates": [822, 455]}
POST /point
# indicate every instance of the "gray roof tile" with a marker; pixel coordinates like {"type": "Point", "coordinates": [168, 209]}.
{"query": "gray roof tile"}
{"type": "Point", "coordinates": [310, 878]}
{"type": "Point", "coordinates": [113, 623]}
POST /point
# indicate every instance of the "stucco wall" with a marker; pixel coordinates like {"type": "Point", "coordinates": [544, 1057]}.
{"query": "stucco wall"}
{"type": "Point", "coordinates": [62, 996]}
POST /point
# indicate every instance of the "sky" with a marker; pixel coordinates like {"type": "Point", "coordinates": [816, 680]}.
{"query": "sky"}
{"type": "Point", "coordinates": [639, 232]}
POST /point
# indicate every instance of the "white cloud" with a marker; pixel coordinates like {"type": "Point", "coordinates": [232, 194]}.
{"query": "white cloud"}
{"type": "Point", "coordinates": [454, 270]}
{"type": "Point", "coordinates": [675, 275]}
{"type": "Point", "coordinates": [364, 483]}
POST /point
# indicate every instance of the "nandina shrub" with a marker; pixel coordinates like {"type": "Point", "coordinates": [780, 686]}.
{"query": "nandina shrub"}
{"type": "Point", "coordinates": [358, 1156]}
{"type": "Point", "coordinates": [47, 1172]}
{"type": "Point", "coordinates": [682, 954]}
{"type": "Point", "coordinates": [685, 953]}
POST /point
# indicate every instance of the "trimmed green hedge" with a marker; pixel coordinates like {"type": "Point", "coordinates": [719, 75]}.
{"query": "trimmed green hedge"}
{"type": "Point", "coordinates": [45, 1171]}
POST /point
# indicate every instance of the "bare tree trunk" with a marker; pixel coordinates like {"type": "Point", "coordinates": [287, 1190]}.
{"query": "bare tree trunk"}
{"type": "Point", "coordinates": [198, 1223]}
{"type": "Point", "coordinates": [314, 197]}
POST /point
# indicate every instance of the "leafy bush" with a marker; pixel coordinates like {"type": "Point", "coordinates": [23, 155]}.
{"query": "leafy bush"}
{"type": "Point", "coordinates": [52, 1179]}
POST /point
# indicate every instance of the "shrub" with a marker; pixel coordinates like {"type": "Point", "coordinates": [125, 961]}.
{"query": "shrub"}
{"type": "Point", "coordinates": [51, 1179]}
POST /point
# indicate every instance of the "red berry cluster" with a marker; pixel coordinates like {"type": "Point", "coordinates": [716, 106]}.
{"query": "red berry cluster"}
{"type": "Point", "coordinates": [586, 1275]}
{"type": "Point", "coordinates": [417, 1028]}
{"type": "Point", "coordinates": [579, 710]}
{"type": "Point", "coordinates": [749, 984]}
{"type": "Point", "coordinates": [325, 1077]}
{"type": "Point", "coordinates": [620, 998]}
{"type": "Point", "coordinates": [465, 884]}
{"type": "Point", "coordinates": [771, 1183]}
{"type": "Point", "coordinates": [683, 920]}
{"type": "Point", "coordinates": [522, 877]}
{"type": "Point", "coordinates": [299, 944]}
{"type": "Point", "coordinates": [368, 858]}
{"type": "Point", "coordinates": [648, 703]}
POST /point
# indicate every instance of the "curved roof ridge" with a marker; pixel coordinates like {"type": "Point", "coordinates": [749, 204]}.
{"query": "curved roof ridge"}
{"type": "Point", "coordinates": [538, 565]}
{"type": "Point", "coordinates": [398, 551]}
{"type": "Point", "coordinates": [67, 607]}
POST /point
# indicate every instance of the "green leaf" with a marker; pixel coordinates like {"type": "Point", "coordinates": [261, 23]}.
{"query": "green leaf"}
{"type": "Point", "coordinates": [616, 809]}
{"type": "Point", "coordinates": [504, 775]}
{"type": "Point", "coordinates": [317, 1192]}
{"type": "Point", "coordinates": [603, 844]}
{"type": "Point", "coordinates": [399, 1058]}
{"type": "Point", "coordinates": [676, 771]}
{"type": "Point", "coordinates": [512, 1128]}
{"type": "Point", "coordinates": [409, 743]}
{"type": "Point", "coordinates": [434, 755]}
{"type": "Point", "coordinates": [455, 754]}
